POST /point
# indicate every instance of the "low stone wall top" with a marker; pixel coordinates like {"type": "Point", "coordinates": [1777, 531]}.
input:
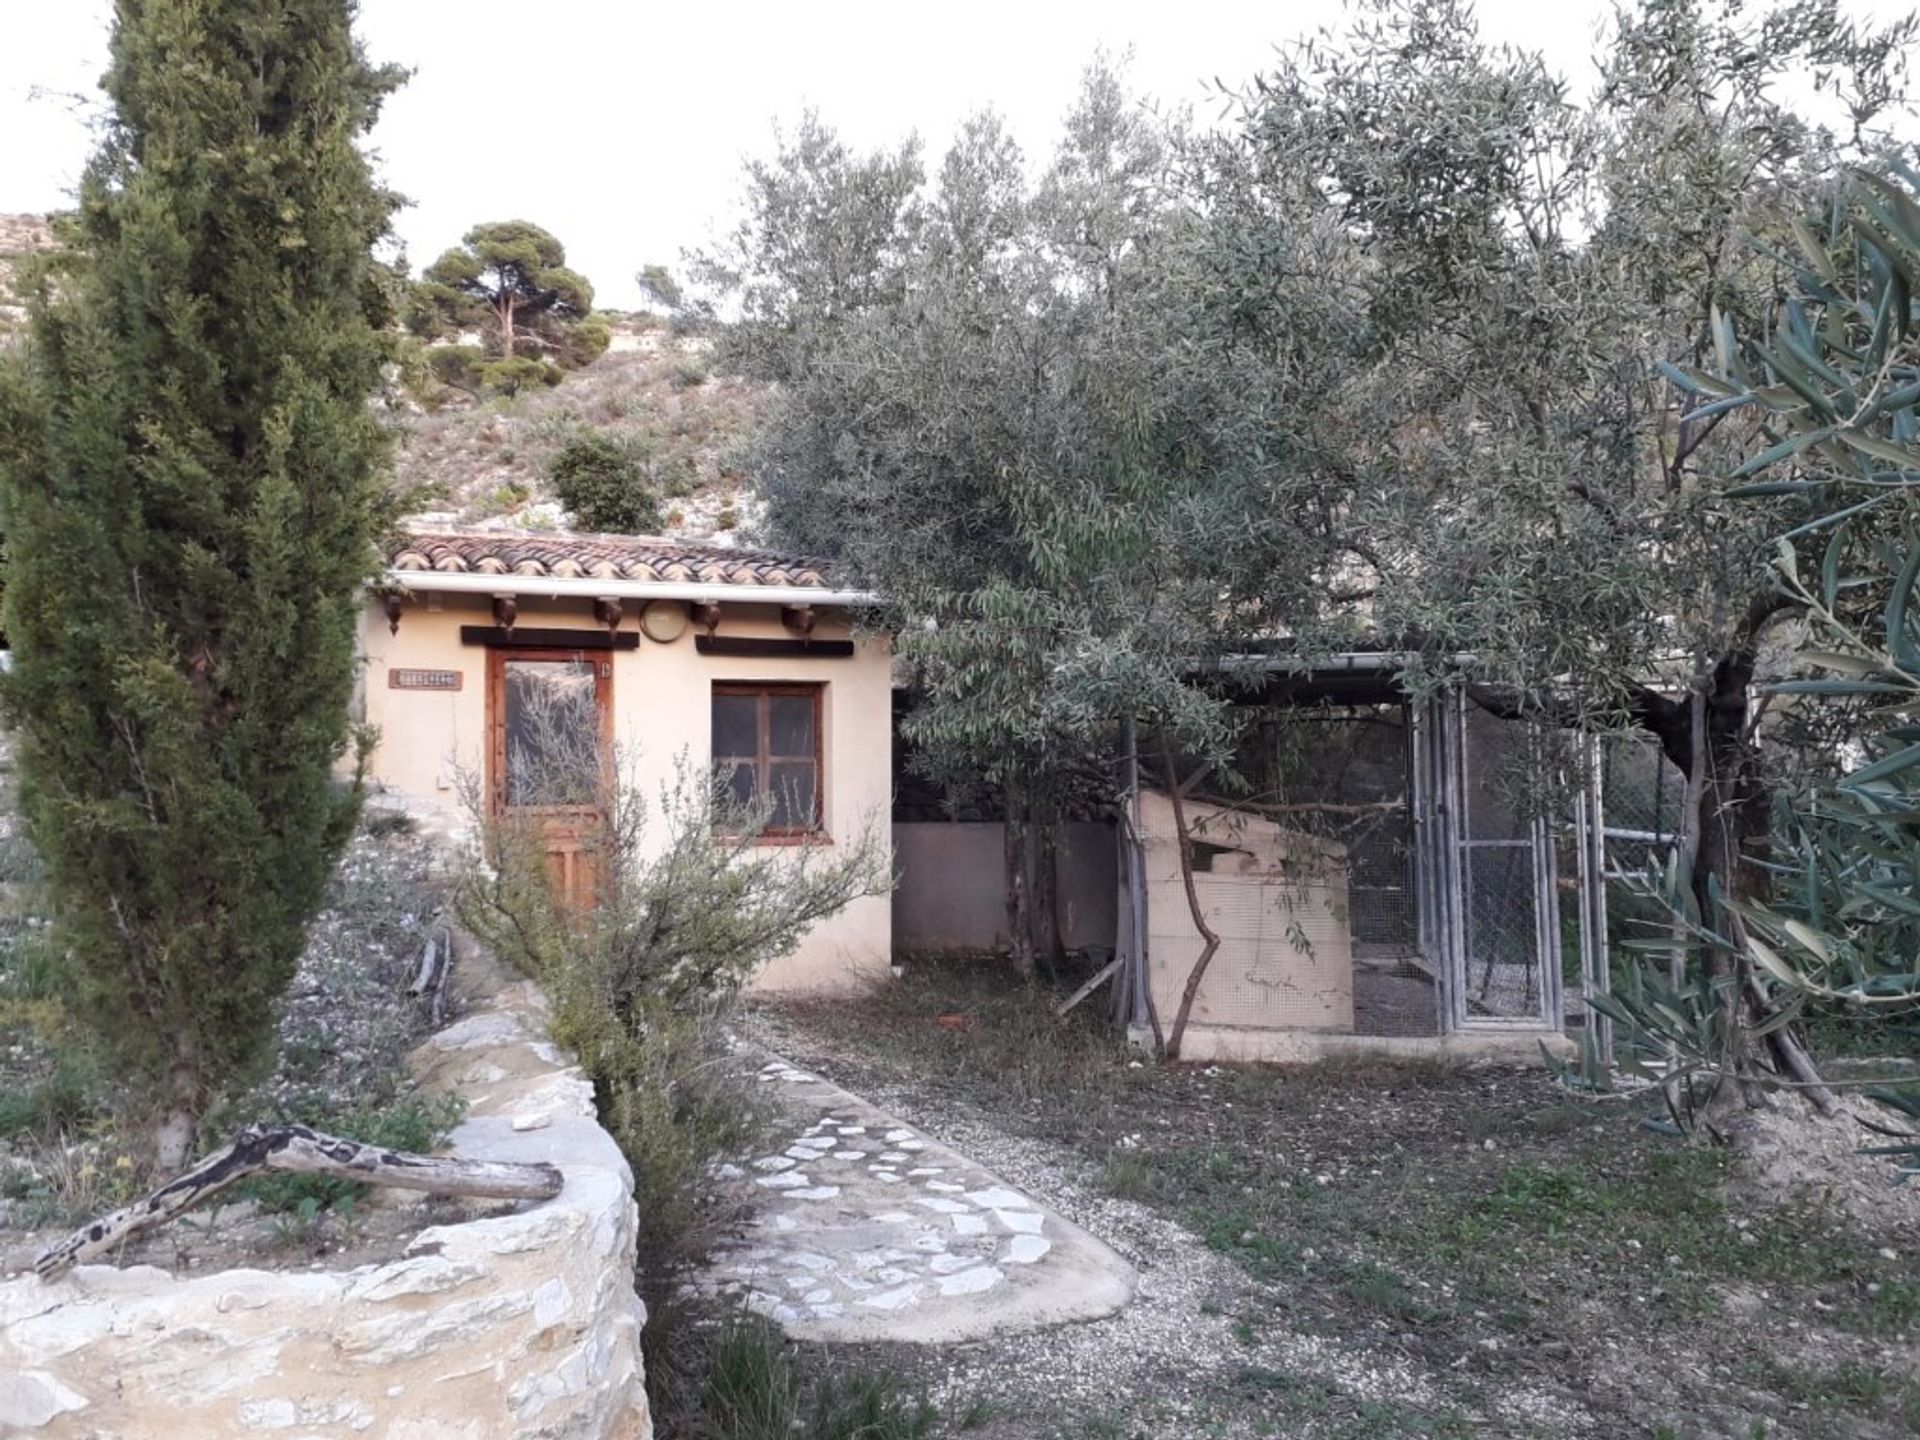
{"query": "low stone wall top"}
{"type": "Point", "coordinates": [515, 1325]}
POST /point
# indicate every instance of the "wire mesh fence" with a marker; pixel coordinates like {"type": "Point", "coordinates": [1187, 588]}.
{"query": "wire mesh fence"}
{"type": "Point", "coordinates": [1346, 774]}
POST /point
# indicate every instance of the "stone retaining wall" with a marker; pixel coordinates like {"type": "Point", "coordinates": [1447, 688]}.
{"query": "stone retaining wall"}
{"type": "Point", "coordinates": [515, 1325]}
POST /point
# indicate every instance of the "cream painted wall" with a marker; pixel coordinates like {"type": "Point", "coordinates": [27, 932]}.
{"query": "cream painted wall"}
{"type": "Point", "coordinates": [430, 739]}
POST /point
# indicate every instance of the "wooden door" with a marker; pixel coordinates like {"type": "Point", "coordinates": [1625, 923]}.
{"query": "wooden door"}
{"type": "Point", "coordinates": [550, 721]}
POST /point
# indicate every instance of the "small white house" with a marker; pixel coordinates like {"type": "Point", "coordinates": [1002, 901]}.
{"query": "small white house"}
{"type": "Point", "coordinates": [741, 659]}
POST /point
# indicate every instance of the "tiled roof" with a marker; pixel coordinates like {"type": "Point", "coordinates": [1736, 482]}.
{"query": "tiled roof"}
{"type": "Point", "coordinates": [598, 557]}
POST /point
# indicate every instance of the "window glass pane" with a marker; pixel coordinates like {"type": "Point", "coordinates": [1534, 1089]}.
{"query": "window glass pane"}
{"type": "Point", "coordinates": [736, 725]}
{"type": "Point", "coordinates": [553, 732]}
{"type": "Point", "coordinates": [740, 784]}
{"type": "Point", "coordinates": [793, 795]}
{"type": "Point", "coordinates": [791, 725]}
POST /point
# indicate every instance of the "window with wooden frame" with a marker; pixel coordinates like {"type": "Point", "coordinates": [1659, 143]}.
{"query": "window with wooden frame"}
{"type": "Point", "coordinates": [767, 750]}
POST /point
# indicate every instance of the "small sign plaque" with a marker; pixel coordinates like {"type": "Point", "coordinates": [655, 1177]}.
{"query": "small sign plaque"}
{"type": "Point", "coordinates": [425, 679]}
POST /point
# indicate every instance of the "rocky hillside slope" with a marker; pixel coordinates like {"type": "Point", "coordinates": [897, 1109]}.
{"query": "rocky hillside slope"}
{"type": "Point", "coordinates": [652, 390]}
{"type": "Point", "coordinates": [486, 462]}
{"type": "Point", "coordinates": [20, 236]}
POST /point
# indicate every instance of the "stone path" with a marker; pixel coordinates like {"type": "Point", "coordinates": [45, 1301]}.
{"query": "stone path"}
{"type": "Point", "coordinates": [872, 1231]}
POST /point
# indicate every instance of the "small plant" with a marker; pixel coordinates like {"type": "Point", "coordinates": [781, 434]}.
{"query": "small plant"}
{"type": "Point", "coordinates": [727, 519]}
{"type": "Point", "coordinates": [1126, 1176]}
{"type": "Point", "coordinates": [687, 374]}
{"type": "Point", "coordinates": [600, 481]}
{"type": "Point", "coordinates": [755, 1392]}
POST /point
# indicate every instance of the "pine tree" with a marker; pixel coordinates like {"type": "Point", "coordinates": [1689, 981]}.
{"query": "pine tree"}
{"type": "Point", "coordinates": [194, 479]}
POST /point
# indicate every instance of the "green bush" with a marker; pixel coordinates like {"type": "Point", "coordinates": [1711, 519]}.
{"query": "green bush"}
{"type": "Point", "coordinates": [641, 986]}
{"type": "Point", "coordinates": [601, 482]}
{"type": "Point", "coordinates": [687, 374]}
{"type": "Point", "coordinates": [66, 1098]}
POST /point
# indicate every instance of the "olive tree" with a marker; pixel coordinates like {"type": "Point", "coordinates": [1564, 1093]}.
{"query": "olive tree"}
{"type": "Point", "coordinates": [1529, 508]}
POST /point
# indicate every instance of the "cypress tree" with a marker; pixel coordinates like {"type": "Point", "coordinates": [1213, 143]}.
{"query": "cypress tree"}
{"type": "Point", "coordinates": [194, 478]}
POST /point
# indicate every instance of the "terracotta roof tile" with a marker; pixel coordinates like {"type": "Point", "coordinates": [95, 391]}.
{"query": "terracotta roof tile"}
{"type": "Point", "coordinates": [601, 557]}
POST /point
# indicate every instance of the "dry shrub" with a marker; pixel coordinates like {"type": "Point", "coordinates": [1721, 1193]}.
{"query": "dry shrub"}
{"type": "Point", "coordinates": [641, 986]}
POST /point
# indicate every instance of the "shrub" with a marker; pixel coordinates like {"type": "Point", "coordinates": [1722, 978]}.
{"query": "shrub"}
{"type": "Point", "coordinates": [687, 374]}
{"type": "Point", "coordinates": [600, 481]}
{"type": "Point", "coordinates": [640, 987]}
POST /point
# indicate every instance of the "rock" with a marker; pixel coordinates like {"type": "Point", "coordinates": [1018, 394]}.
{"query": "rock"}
{"type": "Point", "coordinates": [30, 1400]}
{"type": "Point", "coordinates": [971, 1282]}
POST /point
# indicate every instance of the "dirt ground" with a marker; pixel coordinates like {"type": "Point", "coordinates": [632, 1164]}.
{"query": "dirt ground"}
{"type": "Point", "coordinates": [1387, 1250]}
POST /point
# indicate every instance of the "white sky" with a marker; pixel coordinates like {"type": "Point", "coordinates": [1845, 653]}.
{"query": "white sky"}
{"type": "Point", "coordinates": [627, 143]}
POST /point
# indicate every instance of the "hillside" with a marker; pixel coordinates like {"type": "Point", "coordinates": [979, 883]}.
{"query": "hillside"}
{"type": "Point", "coordinates": [486, 462]}
{"type": "Point", "coordinates": [651, 390]}
{"type": "Point", "coordinates": [20, 236]}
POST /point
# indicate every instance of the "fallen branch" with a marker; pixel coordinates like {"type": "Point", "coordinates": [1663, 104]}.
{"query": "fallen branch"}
{"type": "Point", "coordinates": [1106, 972]}
{"type": "Point", "coordinates": [302, 1151]}
{"type": "Point", "coordinates": [436, 964]}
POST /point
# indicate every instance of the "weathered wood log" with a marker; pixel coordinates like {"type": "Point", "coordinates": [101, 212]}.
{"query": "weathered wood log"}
{"type": "Point", "coordinates": [1107, 971]}
{"type": "Point", "coordinates": [302, 1151]}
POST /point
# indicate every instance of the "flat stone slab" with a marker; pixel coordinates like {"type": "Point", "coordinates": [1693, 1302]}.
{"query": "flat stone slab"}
{"type": "Point", "coordinates": [874, 1231]}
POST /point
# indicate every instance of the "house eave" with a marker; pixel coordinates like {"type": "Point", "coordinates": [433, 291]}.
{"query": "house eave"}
{"type": "Point", "coordinates": [588, 588]}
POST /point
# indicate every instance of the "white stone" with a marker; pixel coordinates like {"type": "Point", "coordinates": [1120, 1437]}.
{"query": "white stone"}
{"type": "Point", "coordinates": [773, 1162]}
{"type": "Point", "coordinates": [894, 1137]}
{"type": "Point", "coordinates": [1023, 1222]}
{"type": "Point", "coordinates": [1000, 1198]}
{"type": "Point", "coordinates": [945, 1188]}
{"type": "Point", "coordinates": [269, 1414]}
{"type": "Point", "coordinates": [416, 1275]}
{"type": "Point", "coordinates": [896, 1299]}
{"type": "Point", "coordinates": [817, 1297]}
{"type": "Point", "coordinates": [785, 1180]}
{"type": "Point", "coordinates": [968, 1224]}
{"type": "Point", "coordinates": [816, 1192]}
{"type": "Point", "coordinates": [971, 1282]}
{"type": "Point", "coordinates": [524, 1123]}
{"type": "Point", "coordinates": [887, 1177]}
{"type": "Point", "coordinates": [891, 1275]}
{"type": "Point", "coordinates": [926, 1170]}
{"type": "Point", "coordinates": [552, 1302]}
{"type": "Point", "coordinates": [894, 1157]}
{"type": "Point", "coordinates": [849, 1154]}
{"type": "Point", "coordinates": [809, 1260]}
{"type": "Point", "coordinates": [942, 1206]}
{"type": "Point", "coordinates": [1026, 1249]}
{"type": "Point", "coordinates": [894, 1217]}
{"type": "Point", "coordinates": [948, 1264]}
{"type": "Point", "coordinates": [31, 1399]}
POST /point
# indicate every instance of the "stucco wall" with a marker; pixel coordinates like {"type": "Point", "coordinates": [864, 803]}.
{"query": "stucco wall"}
{"type": "Point", "coordinates": [953, 890]}
{"type": "Point", "coordinates": [661, 712]}
{"type": "Point", "coordinates": [516, 1325]}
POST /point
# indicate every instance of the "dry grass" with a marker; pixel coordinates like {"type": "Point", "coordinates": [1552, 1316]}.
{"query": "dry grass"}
{"type": "Point", "coordinates": [1511, 1245]}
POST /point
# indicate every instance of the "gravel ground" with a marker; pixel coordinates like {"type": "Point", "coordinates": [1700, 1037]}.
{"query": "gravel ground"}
{"type": "Point", "coordinates": [1379, 1251]}
{"type": "Point", "coordinates": [1176, 1362]}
